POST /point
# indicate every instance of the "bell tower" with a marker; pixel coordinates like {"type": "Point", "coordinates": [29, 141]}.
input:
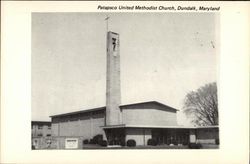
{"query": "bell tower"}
{"type": "Point", "coordinates": [113, 91]}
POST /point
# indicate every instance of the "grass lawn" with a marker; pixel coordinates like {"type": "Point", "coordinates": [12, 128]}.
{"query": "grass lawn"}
{"type": "Point", "coordinates": [210, 146]}
{"type": "Point", "coordinates": [204, 146]}
{"type": "Point", "coordinates": [137, 147]}
{"type": "Point", "coordinates": [98, 147]}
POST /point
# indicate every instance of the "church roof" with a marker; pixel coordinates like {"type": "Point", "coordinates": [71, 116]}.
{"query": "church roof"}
{"type": "Point", "coordinates": [158, 126]}
{"type": "Point", "coordinates": [149, 102]}
{"type": "Point", "coordinates": [121, 106]}
{"type": "Point", "coordinates": [40, 122]}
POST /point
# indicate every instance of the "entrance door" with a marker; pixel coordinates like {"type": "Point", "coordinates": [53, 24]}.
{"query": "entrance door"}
{"type": "Point", "coordinates": [115, 136]}
{"type": "Point", "coordinates": [157, 134]}
{"type": "Point", "coordinates": [170, 136]}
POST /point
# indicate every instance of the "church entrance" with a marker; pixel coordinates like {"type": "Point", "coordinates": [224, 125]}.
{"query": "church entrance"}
{"type": "Point", "coordinates": [171, 136]}
{"type": "Point", "coordinates": [115, 136]}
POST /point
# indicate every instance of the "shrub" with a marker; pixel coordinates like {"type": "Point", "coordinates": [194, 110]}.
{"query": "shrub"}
{"type": "Point", "coordinates": [85, 141]}
{"type": "Point", "coordinates": [97, 138]}
{"type": "Point", "coordinates": [103, 143]}
{"type": "Point", "coordinates": [91, 141]}
{"type": "Point", "coordinates": [217, 141]}
{"type": "Point", "coordinates": [194, 145]}
{"type": "Point", "coordinates": [152, 142]}
{"type": "Point", "coordinates": [131, 143]}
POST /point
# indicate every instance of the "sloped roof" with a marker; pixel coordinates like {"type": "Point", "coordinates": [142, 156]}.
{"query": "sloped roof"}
{"type": "Point", "coordinates": [41, 122]}
{"type": "Point", "coordinates": [122, 106]}
{"type": "Point", "coordinates": [150, 102]}
{"type": "Point", "coordinates": [80, 111]}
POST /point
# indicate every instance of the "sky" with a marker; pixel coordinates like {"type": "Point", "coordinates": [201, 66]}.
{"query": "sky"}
{"type": "Point", "coordinates": [163, 57]}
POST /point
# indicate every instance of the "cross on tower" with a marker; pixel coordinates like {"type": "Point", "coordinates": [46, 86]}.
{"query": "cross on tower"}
{"type": "Point", "coordinates": [107, 20]}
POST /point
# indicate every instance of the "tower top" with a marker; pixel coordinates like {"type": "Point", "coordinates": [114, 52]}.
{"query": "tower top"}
{"type": "Point", "coordinates": [107, 22]}
{"type": "Point", "coordinates": [113, 32]}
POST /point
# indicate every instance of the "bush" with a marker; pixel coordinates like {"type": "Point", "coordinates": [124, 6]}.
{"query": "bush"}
{"type": "Point", "coordinates": [217, 141]}
{"type": "Point", "coordinates": [103, 143]}
{"type": "Point", "coordinates": [152, 142]}
{"type": "Point", "coordinates": [85, 141]}
{"type": "Point", "coordinates": [91, 141]}
{"type": "Point", "coordinates": [194, 145]}
{"type": "Point", "coordinates": [97, 138]}
{"type": "Point", "coordinates": [131, 143]}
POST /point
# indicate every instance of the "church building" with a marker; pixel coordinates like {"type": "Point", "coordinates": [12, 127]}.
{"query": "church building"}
{"type": "Point", "coordinates": [118, 123]}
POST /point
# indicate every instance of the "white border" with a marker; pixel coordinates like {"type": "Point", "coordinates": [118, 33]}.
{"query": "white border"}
{"type": "Point", "coordinates": [16, 82]}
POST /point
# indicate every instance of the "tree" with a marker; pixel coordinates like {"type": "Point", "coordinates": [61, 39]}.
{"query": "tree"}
{"type": "Point", "coordinates": [202, 105]}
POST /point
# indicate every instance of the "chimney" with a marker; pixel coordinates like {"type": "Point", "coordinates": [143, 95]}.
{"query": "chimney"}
{"type": "Point", "coordinates": [113, 92]}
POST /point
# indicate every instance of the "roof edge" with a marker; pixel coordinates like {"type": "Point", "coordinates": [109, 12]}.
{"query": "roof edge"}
{"type": "Point", "coordinates": [77, 112]}
{"type": "Point", "coordinates": [146, 102]}
{"type": "Point", "coordinates": [104, 107]}
{"type": "Point", "coordinates": [158, 126]}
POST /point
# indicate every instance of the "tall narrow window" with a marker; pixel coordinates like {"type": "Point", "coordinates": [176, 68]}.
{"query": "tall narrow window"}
{"type": "Point", "coordinates": [114, 43]}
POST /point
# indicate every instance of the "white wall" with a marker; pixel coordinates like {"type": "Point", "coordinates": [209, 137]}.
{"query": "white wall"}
{"type": "Point", "coordinates": [149, 117]}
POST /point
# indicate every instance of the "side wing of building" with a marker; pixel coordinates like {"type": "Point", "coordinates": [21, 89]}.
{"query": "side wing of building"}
{"type": "Point", "coordinates": [82, 124]}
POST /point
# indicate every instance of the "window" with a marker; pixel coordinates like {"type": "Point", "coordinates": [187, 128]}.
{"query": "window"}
{"type": "Point", "coordinates": [48, 135]}
{"type": "Point", "coordinates": [114, 43]}
{"type": "Point", "coordinates": [97, 112]}
{"type": "Point", "coordinates": [49, 127]}
{"type": "Point", "coordinates": [40, 127]}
